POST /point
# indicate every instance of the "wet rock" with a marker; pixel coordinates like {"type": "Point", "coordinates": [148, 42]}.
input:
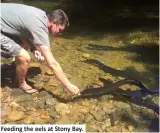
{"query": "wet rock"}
{"type": "Point", "coordinates": [68, 75]}
{"type": "Point", "coordinates": [130, 128]}
{"type": "Point", "coordinates": [49, 72]}
{"type": "Point", "coordinates": [3, 119]}
{"type": "Point", "coordinates": [51, 101]}
{"type": "Point", "coordinates": [91, 128]}
{"type": "Point", "coordinates": [39, 85]}
{"type": "Point", "coordinates": [16, 92]}
{"type": "Point", "coordinates": [99, 129]}
{"type": "Point", "coordinates": [106, 123]}
{"type": "Point", "coordinates": [24, 98]}
{"type": "Point", "coordinates": [44, 115]}
{"type": "Point", "coordinates": [28, 105]}
{"type": "Point", "coordinates": [115, 123]}
{"type": "Point", "coordinates": [14, 104]}
{"type": "Point", "coordinates": [40, 104]}
{"type": "Point", "coordinates": [97, 108]}
{"type": "Point", "coordinates": [85, 103]}
{"type": "Point", "coordinates": [82, 109]}
{"type": "Point", "coordinates": [122, 114]}
{"type": "Point", "coordinates": [88, 118]}
{"type": "Point", "coordinates": [86, 55]}
{"type": "Point", "coordinates": [156, 99]}
{"type": "Point", "coordinates": [28, 120]}
{"type": "Point", "coordinates": [53, 82]}
{"type": "Point", "coordinates": [53, 114]}
{"type": "Point", "coordinates": [5, 109]}
{"type": "Point", "coordinates": [78, 116]}
{"type": "Point", "coordinates": [6, 89]}
{"type": "Point", "coordinates": [106, 97]}
{"type": "Point", "coordinates": [116, 128]}
{"type": "Point", "coordinates": [44, 95]}
{"type": "Point", "coordinates": [15, 116]}
{"type": "Point", "coordinates": [107, 107]}
{"type": "Point", "coordinates": [94, 101]}
{"type": "Point", "coordinates": [38, 120]}
{"type": "Point", "coordinates": [5, 97]}
{"type": "Point", "coordinates": [62, 109]}
{"type": "Point", "coordinates": [99, 116]}
{"type": "Point", "coordinates": [66, 120]}
{"type": "Point", "coordinates": [52, 121]}
{"type": "Point", "coordinates": [124, 130]}
{"type": "Point", "coordinates": [34, 114]}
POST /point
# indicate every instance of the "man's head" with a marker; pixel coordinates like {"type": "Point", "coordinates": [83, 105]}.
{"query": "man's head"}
{"type": "Point", "coordinates": [58, 20]}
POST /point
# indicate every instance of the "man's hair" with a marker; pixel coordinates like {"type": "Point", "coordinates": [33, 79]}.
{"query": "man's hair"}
{"type": "Point", "coordinates": [59, 17]}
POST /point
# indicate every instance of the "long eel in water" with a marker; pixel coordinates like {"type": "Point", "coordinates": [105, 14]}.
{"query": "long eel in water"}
{"type": "Point", "coordinates": [135, 96]}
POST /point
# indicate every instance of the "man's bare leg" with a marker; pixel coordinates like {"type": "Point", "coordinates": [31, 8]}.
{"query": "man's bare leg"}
{"type": "Point", "coordinates": [22, 62]}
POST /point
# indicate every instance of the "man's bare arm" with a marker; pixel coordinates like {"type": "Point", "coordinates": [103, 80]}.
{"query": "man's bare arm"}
{"type": "Point", "coordinates": [56, 68]}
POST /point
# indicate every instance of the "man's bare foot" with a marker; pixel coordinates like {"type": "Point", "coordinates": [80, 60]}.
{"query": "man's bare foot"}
{"type": "Point", "coordinates": [27, 88]}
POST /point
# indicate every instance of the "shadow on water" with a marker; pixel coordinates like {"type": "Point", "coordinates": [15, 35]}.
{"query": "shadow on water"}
{"type": "Point", "coordinates": [129, 72]}
{"type": "Point", "coordinates": [8, 75]}
{"type": "Point", "coordinates": [147, 53]}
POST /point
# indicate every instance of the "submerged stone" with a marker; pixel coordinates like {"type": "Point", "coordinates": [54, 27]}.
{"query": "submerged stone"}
{"type": "Point", "coordinates": [15, 116]}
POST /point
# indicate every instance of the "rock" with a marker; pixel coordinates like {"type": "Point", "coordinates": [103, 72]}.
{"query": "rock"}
{"type": "Point", "coordinates": [14, 105]}
{"type": "Point", "coordinates": [97, 108]}
{"type": "Point", "coordinates": [53, 114]}
{"type": "Point", "coordinates": [99, 116]}
{"type": "Point", "coordinates": [94, 101]}
{"type": "Point", "coordinates": [106, 97]}
{"type": "Point", "coordinates": [130, 128]}
{"type": "Point", "coordinates": [83, 109]}
{"type": "Point", "coordinates": [52, 121]}
{"type": "Point", "coordinates": [49, 72]}
{"type": "Point", "coordinates": [66, 120]}
{"type": "Point", "coordinates": [44, 115]}
{"type": "Point", "coordinates": [51, 101]}
{"type": "Point", "coordinates": [68, 75]}
{"type": "Point", "coordinates": [41, 105]}
{"type": "Point", "coordinates": [38, 120]}
{"type": "Point", "coordinates": [91, 128]}
{"type": "Point", "coordinates": [34, 114]}
{"type": "Point", "coordinates": [16, 92]}
{"type": "Point", "coordinates": [44, 95]}
{"type": "Point", "coordinates": [28, 120]}
{"type": "Point", "coordinates": [85, 103]}
{"type": "Point", "coordinates": [107, 107]}
{"type": "Point", "coordinates": [62, 109]}
{"type": "Point", "coordinates": [6, 89]}
{"type": "Point", "coordinates": [124, 130]}
{"type": "Point", "coordinates": [5, 110]}
{"type": "Point", "coordinates": [5, 97]}
{"type": "Point", "coordinates": [106, 123]}
{"type": "Point", "coordinates": [86, 55]}
{"type": "Point", "coordinates": [24, 98]}
{"type": "Point", "coordinates": [15, 116]}
{"type": "Point", "coordinates": [53, 82]}
{"type": "Point", "coordinates": [88, 118]}
{"type": "Point", "coordinates": [3, 119]}
{"type": "Point", "coordinates": [100, 129]}
{"type": "Point", "coordinates": [28, 105]}
{"type": "Point", "coordinates": [115, 123]}
{"type": "Point", "coordinates": [39, 85]}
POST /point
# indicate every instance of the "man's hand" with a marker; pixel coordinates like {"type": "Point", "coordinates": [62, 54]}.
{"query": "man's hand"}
{"type": "Point", "coordinates": [74, 89]}
{"type": "Point", "coordinates": [38, 55]}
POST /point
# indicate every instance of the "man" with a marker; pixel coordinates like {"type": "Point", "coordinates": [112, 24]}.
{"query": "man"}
{"type": "Point", "coordinates": [24, 27]}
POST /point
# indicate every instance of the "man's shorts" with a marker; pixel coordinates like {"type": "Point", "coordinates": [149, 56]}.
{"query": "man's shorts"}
{"type": "Point", "coordinates": [9, 47]}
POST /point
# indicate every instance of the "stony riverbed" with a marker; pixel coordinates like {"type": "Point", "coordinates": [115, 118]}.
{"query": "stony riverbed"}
{"type": "Point", "coordinates": [83, 61]}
